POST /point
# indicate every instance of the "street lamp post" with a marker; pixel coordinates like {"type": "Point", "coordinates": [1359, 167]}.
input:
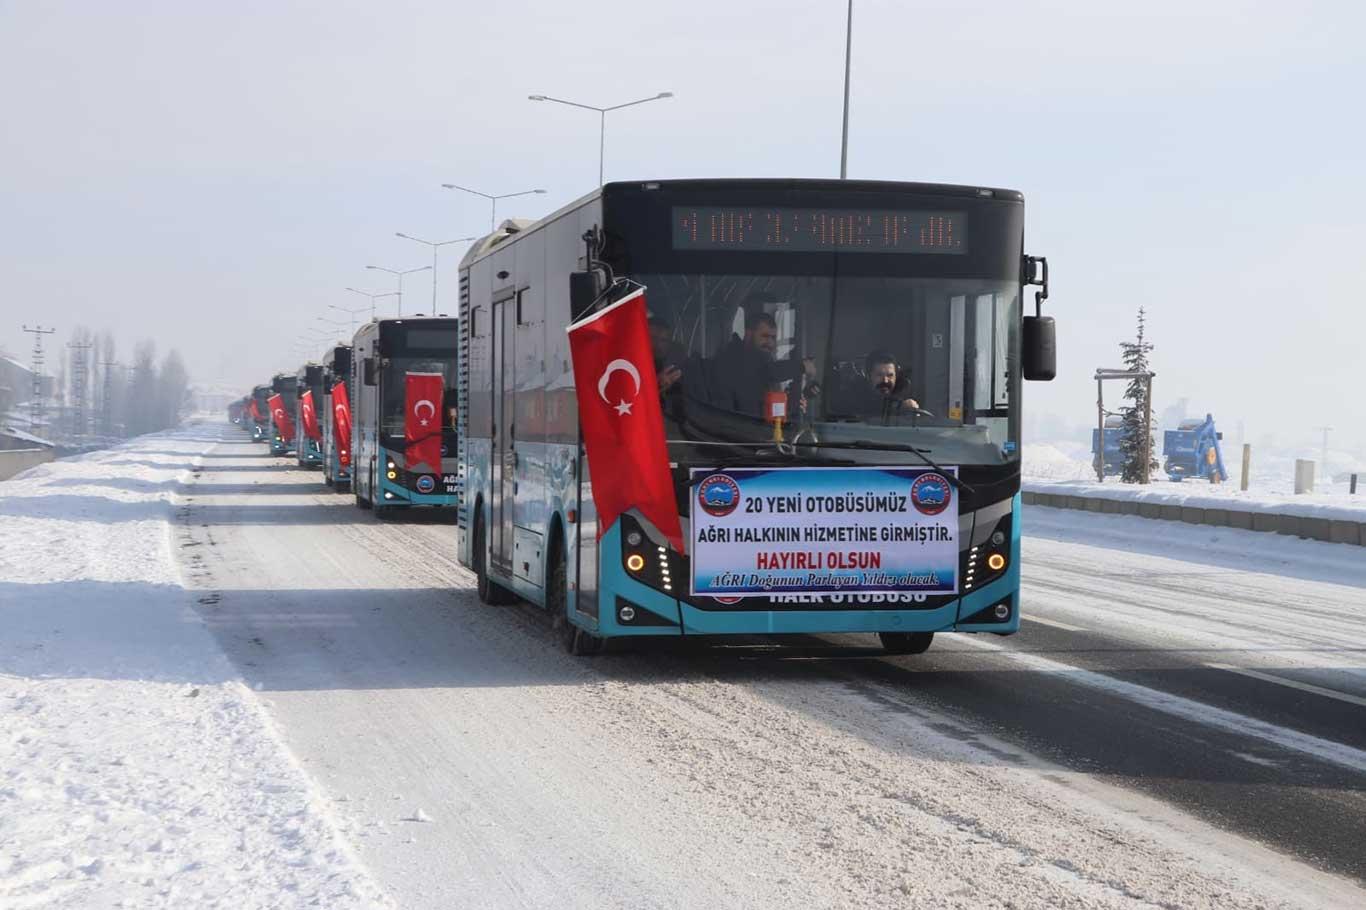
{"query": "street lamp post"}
{"type": "Point", "coordinates": [848, 53]}
{"type": "Point", "coordinates": [400, 273]}
{"type": "Point", "coordinates": [602, 117]}
{"type": "Point", "coordinates": [373, 297]}
{"type": "Point", "coordinates": [493, 208]}
{"type": "Point", "coordinates": [350, 312]}
{"type": "Point", "coordinates": [435, 245]}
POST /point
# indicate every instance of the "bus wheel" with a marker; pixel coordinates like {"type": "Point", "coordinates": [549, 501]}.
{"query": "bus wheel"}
{"type": "Point", "coordinates": [490, 592]}
{"type": "Point", "coordinates": [906, 642]}
{"type": "Point", "coordinates": [576, 641]}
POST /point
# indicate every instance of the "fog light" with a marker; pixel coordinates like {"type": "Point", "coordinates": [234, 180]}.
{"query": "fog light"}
{"type": "Point", "coordinates": [1002, 611]}
{"type": "Point", "coordinates": [388, 495]}
{"type": "Point", "coordinates": [635, 562]}
{"type": "Point", "coordinates": [996, 562]}
{"type": "Point", "coordinates": [627, 613]}
{"type": "Point", "coordinates": [392, 474]}
{"type": "Point", "coordinates": [998, 538]}
{"type": "Point", "coordinates": [634, 538]}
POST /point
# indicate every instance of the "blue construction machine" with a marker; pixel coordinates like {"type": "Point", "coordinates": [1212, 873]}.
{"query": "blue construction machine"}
{"type": "Point", "coordinates": [1114, 433]}
{"type": "Point", "coordinates": [1193, 450]}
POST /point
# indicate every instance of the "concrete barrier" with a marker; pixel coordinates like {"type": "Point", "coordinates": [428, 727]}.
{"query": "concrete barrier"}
{"type": "Point", "coordinates": [12, 461]}
{"type": "Point", "coordinates": [1271, 522]}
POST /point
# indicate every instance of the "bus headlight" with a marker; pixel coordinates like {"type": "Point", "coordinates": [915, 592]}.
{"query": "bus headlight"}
{"type": "Point", "coordinates": [635, 562]}
{"type": "Point", "coordinates": [392, 474]}
{"type": "Point", "coordinates": [996, 562]}
{"type": "Point", "coordinates": [392, 466]}
{"type": "Point", "coordinates": [997, 538]}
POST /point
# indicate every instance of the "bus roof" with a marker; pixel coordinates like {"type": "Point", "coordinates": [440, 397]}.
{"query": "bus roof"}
{"type": "Point", "coordinates": [514, 226]}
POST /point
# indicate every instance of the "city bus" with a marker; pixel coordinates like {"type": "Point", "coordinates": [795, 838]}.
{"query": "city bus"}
{"type": "Point", "coordinates": [385, 353]}
{"type": "Point", "coordinates": [844, 362]}
{"type": "Point", "coordinates": [280, 434]}
{"type": "Point", "coordinates": [259, 426]}
{"type": "Point", "coordinates": [308, 451]}
{"type": "Point", "coordinates": [336, 451]}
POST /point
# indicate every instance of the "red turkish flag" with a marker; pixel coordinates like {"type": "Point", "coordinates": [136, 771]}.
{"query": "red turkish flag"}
{"type": "Point", "coordinates": [341, 423]}
{"type": "Point", "coordinates": [310, 416]}
{"type": "Point", "coordinates": [422, 419]}
{"type": "Point", "coordinates": [623, 426]}
{"type": "Point", "coordinates": [284, 424]}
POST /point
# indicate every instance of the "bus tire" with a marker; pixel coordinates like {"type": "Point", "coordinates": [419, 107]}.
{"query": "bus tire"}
{"type": "Point", "coordinates": [906, 642]}
{"type": "Point", "coordinates": [577, 641]}
{"type": "Point", "coordinates": [490, 592]}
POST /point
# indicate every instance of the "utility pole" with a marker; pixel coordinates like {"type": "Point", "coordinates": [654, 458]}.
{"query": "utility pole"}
{"type": "Point", "coordinates": [1323, 453]}
{"type": "Point", "coordinates": [35, 405]}
{"type": "Point", "coordinates": [79, 365]}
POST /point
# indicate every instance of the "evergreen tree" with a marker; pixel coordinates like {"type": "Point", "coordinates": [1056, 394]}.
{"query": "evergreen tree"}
{"type": "Point", "coordinates": [1136, 430]}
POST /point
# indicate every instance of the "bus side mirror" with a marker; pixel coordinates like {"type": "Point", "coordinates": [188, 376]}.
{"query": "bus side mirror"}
{"type": "Point", "coordinates": [368, 370]}
{"type": "Point", "coordinates": [1040, 348]}
{"type": "Point", "coordinates": [583, 292]}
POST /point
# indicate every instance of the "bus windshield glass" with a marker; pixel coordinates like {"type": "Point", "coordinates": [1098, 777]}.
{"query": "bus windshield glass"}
{"type": "Point", "coordinates": [855, 363]}
{"type": "Point", "coordinates": [417, 350]}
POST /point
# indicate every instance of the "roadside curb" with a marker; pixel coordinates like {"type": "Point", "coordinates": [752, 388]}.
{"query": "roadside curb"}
{"type": "Point", "coordinates": [1329, 530]}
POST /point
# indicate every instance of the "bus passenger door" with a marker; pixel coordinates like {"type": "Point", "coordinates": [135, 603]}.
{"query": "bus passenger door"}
{"type": "Point", "coordinates": [503, 455]}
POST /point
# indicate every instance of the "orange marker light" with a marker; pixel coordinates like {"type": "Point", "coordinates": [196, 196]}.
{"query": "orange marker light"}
{"type": "Point", "coordinates": [996, 562]}
{"type": "Point", "coordinates": [635, 562]}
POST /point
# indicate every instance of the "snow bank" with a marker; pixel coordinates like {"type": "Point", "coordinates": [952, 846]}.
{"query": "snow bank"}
{"type": "Point", "coordinates": [135, 768]}
{"type": "Point", "coordinates": [1198, 495]}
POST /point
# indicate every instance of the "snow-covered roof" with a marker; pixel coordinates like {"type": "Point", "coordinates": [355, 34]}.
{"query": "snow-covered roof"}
{"type": "Point", "coordinates": [25, 437]}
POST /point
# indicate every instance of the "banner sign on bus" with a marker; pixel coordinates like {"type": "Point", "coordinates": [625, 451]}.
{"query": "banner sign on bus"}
{"type": "Point", "coordinates": [763, 531]}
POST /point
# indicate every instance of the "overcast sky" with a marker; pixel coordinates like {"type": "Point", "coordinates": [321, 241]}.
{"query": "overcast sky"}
{"type": "Point", "coordinates": [212, 175]}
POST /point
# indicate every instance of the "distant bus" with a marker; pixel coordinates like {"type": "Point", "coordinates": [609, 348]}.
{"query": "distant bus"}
{"type": "Point", "coordinates": [236, 410]}
{"type": "Point", "coordinates": [336, 452]}
{"type": "Point", "coordinates": [384, 351]}
{"type": "Point", "coordinates": [912, 483]}
{"type": "Point", "coordinates": [286, 386]}
{"type": "Point", "coordinates": [260, 429]}
{"type": "Point", "coordinates": [308, 452]}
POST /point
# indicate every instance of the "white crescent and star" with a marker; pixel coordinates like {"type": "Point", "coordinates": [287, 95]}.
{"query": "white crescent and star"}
{"type": "Point", "coordinates": [417, 411]}
{"type": "Point", "coordinates": [622, 406]}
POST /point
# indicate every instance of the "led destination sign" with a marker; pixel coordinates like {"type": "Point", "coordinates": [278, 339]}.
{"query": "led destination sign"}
{"type": "Point", "coordinates": [802, 230]}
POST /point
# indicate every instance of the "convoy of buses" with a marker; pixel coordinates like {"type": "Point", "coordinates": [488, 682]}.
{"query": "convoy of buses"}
{"type": "Point", "coordinates": [839, 368]}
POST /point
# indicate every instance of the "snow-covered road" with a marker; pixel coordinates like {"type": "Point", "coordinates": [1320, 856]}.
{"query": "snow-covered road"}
{"type": "Point", "coordinates": [1179, 724]}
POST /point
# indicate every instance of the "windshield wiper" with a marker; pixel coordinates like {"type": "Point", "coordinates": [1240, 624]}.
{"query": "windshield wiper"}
{"type": "Point", "coordinates": [869, 445]}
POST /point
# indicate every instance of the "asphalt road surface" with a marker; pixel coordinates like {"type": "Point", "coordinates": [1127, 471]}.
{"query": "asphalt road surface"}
{"type": "Point", "coordinates": [1181, 722]}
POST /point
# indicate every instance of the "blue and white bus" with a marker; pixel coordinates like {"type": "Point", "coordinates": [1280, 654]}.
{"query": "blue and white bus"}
{"type": "Point", "coordinates": [286, 386]}
{"type": "Point", "coordinates": [336, 452]}
{"type": "Point", "coordinates": [383, 352]}
{"type": "Point", "coordinates": [846, 357]}
{"type": "Point", "coordinates": [308, 452]}
{"type": "Point", "coordinates": [259, 428]}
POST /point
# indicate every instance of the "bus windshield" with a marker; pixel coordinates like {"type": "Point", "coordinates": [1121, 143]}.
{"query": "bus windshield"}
{"type": "Point", "coordinates": [393, 389]}
{"type": "Point", "coordinates": [870, 362]}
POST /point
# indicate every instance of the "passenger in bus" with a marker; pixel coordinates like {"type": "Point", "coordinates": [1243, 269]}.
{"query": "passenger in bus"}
{"type": "Point", "coordinates": [669, 355]}
{"type": "Point", "coordinates": [745, 369]}
{"type": "Point", "coordinates": [883, 392]}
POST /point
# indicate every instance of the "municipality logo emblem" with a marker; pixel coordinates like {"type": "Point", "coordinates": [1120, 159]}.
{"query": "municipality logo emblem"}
{"type": "Point", "coordinates": [718, 495]}
{"type": "Point", "coordinates": [931, 493]}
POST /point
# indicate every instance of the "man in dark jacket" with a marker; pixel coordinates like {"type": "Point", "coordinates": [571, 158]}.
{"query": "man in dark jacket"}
{"type": "Point", "coordinates": [884, 393]}
{"type": "Point", "coordinates": [745, 370]}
